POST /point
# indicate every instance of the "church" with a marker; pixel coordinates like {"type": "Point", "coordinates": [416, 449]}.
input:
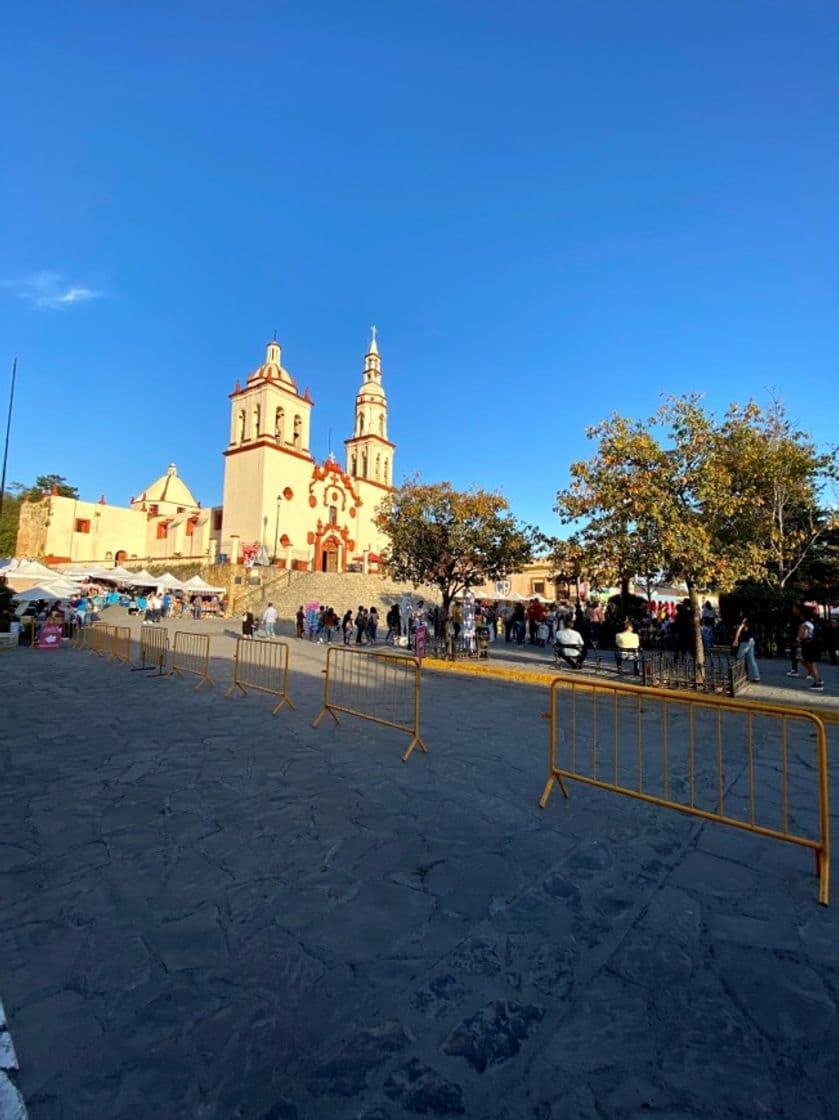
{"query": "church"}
{"type": "Point", "coordinates": [279, 504]}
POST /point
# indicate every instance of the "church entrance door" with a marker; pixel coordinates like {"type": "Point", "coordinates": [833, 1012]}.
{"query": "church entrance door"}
{"type": "Point", "coordinates": [329, 557]}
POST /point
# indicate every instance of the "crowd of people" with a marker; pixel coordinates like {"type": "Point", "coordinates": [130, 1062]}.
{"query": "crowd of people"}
{"type": "Point", "coordinates": [322, 624]}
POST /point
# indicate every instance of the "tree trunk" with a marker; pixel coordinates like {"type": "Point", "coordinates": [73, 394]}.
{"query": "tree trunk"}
{"type": "Point", "coordinates": [624, 596]}
{"type": "Point", "coordinates": [698, 645]}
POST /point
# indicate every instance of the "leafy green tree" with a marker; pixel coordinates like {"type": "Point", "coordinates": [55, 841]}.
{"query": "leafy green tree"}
{"type": "Point", "coordinates": [669, 489]}
{"type": "Point", "coordinates": [450, 539]}
{"type": "Point", "coordinates": [8, 524]}
{"type": "Point", "coordinates": [46, 484]}
{"type": "Point", "coordinates": [786, 476]}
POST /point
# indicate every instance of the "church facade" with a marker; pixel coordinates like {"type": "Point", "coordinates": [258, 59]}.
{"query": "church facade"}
{"type": "Point", "coordinates": [280, 504]}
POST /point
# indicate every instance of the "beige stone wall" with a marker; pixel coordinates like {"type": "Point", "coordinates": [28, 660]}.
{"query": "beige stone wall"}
{"type": "Point", "coordinates": [111, 529]}
{"type": "Point", "coordinates": [32, 528]}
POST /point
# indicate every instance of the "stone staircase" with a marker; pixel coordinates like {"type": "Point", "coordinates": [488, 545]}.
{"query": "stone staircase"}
{"type": "Point", "coordinates": [342, 591]}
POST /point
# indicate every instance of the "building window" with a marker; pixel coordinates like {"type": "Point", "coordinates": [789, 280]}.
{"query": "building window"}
{"type": "Point", "coordinates": [353, 466]}
{"type": "Point", "coordinates": [333, 515]}
{"type": "Point", "coordinates": [363, 464]}
{"type": "Point", "coordinates": [381, 425]}
{"type": "Point", "coordinates": [242, 423]}
{"type": "Point", "coordinates": [537, 587]}
{"type": "Point", "coordinates": [161, 530]}
{"type": "Point", "coordinates": [154, 510]}
{"type": "Point", "coordinates": [298, 424]}
{"type": "Point", "coordinates": [190, 526]}
{"type": "Point", "coordinates": [386, 476]}
{"type": "Point", "coordinates": [257, 421]}
{"type": "Point", "coordinates": [361, 425]}
{"type": "Point", "coordinates": [82, 525]}
{"type": "Point", "coordinates": [378, 467]}
{"type": "Point", "coordinates": [279, 425]}
{"type": "Point", "coordinates": [217, 514]}
{"type": "Point", "coordinates": [109, 555]}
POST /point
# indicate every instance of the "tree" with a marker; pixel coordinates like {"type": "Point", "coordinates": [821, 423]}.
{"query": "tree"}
{"type": "Point", "coordinates": [451, 539]}
{"type": "Point", "coordinates": [677, 502]}
{"type": "Point", "coordinates": [786, 475]}
{"type": "Point", "coordinates": [46, 484]}
{"type": "Point", "coordinates": [9, 519]}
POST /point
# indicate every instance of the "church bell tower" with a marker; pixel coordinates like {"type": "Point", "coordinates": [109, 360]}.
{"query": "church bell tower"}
{"type": "Point", "coordinates": [369, 451]}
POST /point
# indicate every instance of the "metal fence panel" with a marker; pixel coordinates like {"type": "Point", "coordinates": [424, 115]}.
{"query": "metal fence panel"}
{"type": "Point", "coordinates": [757, 767]}
{"type": "Point", "coordinates": [381, 687]}
{"type": "Point", "coordinates": [191, 654]}
{"type": "Point", "coordinates": [120, 644]}
{"type": "Point", "coordinates": [154, 648]}
{"type": "Point", "coordinates": [261, 665]}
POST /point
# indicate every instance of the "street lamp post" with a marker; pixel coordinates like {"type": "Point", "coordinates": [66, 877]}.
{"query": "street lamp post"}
{"type": "Point", "coordinates": [277, 526]}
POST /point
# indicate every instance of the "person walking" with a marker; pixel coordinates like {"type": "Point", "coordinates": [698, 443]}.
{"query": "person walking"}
{"type": "Point", "coordinates": [299, 620]}
{"type": "Point", "coordinates": [745, 643]}
{"type": "Point", "coordinates": [269, 620]}
{"type": "Point", "coordinates": [372, 623]}
{"type": "Point", "coordinates": [360, 625]}
{"type": "Point", "coordinates": [347, 627]}
{"type": "Point", "coordinates": [811, 651]}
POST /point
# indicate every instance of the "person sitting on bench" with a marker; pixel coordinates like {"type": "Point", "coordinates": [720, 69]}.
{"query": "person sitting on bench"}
{"type": "Point", "coordinates": [627, 643]}
{"type": "Point", "coordinates": [570, 647]}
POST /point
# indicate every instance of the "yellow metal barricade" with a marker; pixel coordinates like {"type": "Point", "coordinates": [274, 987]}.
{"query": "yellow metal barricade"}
{"type": "Point", "coordinates": [191, 654]}
{"type": "Point", "coordinates": [381, 687]}
{"type": "Point", "coordinates": [154, 647]}
{"type": "Point", "coordinates": [120, 644]}
{"type": "Point", "coordinates": [261, 665]}
{"type": "Point", "coordinates": [757, 767]}
{"type": "Point", "coordinates": [98, 639]}
{"type": "Point", "coordinates": [27, 627]}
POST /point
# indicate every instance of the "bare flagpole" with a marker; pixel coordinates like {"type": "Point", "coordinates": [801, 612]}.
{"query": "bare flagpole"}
{"type": "Point", "coordinates": [8, 429]}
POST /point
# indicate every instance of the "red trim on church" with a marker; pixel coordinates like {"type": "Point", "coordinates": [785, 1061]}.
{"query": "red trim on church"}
{"type": "Point", "coordinates": [369, 435]}
{"type": "Point", "coordinates": [284, 448]}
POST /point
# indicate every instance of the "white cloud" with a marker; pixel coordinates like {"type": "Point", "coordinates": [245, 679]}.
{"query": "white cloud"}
{"type": "Point", "coordinates": [48, 289]}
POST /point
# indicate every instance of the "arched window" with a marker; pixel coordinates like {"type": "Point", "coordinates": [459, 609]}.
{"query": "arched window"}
{"type": "Point", "coordinates": [354, 466]}
{"type": "Point", "coordinates": [381, 425]}
{"type": "Point", "coordinates": [363, 464]}
{"type": "Point", "coordinates": [360, 424]}
{"type": "Point", "coordinates": [257, 421]}
{"type": "Point", "coordinates": [298, 424]}
{"type": "Point", "coordinates": [242, 425]}
{"type": "Point", "coordinates": [386, 475]}
{"type": "Point", "coordinates": [279, 425]}
{"type": "Point", "coordinates": [378, 467]}
{"type": "Point", "coordinates": [333, 515]}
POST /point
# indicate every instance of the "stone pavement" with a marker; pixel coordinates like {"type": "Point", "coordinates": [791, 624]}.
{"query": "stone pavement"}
{"type": "Point", "coordinates": [210, 913]}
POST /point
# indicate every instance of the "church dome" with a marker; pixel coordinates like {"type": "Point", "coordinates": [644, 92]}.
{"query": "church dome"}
{"type": "Point", "coordinates": [168, 488]}
{"type": "Point", "coordinates": [272, 369]}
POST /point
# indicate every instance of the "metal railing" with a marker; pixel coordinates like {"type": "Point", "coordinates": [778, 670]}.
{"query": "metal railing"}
{"type": "Point", "coordinates": [720, 673]}
{"type": "Point", "coordinates": [191, 654]}
{"type": "Point", "coordinates": [263, 666]}
{"type": "Point", "coordinates": [381, 687]}
{"type": "Point", "coordinates": [154, 649]}
{"type": "Point", "coordinates": [757, 767]}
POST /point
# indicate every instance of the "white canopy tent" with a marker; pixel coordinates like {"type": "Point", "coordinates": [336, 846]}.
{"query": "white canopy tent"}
{"type": "Point", "coordinates": [21, 574]}
{"type": "Point", "coordinates": [55, 592]}
{"type": "Point", "coordinates": [142, 579]}
{"type": "Point", "coordinates": [196, 583]}
{"type": "Point", "coordinates": [169, 581]}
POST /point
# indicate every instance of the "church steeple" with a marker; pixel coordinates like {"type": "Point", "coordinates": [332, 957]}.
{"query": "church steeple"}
{"type": "Point", "coordinates": [369, 452]}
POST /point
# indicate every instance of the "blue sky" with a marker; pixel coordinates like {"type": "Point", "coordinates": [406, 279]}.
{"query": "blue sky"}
{"type": "Point", "coordinates": [550, 210]}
